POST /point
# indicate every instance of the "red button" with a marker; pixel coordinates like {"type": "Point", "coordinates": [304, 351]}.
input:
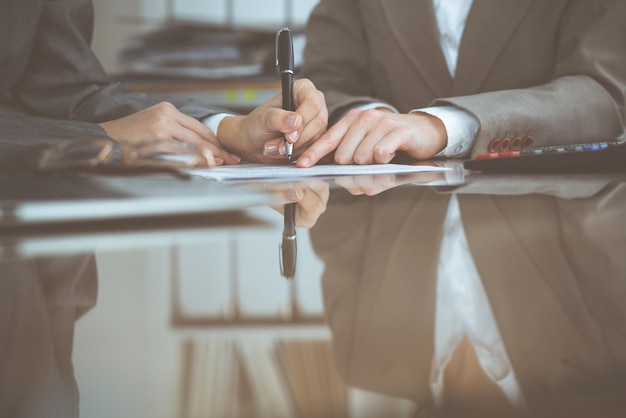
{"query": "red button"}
{"type": "Point", "coordinates": [527, 142]}
{"type": "Point", "coordinates": [505, 144]}
{"type": "Point", "coordinates": [494, 145]}
{"type": "Point", "coordinates": [516, 143]}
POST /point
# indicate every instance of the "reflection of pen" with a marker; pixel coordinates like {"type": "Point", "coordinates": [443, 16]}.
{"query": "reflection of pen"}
{"type": "Point", "coordinates": [284, 61]}
{"type": "Point", "coordinates": [288, 248]}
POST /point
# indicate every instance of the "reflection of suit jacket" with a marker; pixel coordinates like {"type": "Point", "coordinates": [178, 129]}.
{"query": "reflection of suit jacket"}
{"type": "Point", "coordinates": [48, 66]}
{"type": "Point", "coordinates": [39, 303]}
{"type": "Point", "coordinates": [551, 70]}
{"type": "Point", "coordinates": [552, 269]}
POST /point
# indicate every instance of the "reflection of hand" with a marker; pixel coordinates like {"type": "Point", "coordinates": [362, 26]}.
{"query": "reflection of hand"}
{"type": "Point", "coordinates": [260, 135]}
{"type": "Point", "coordinates": [166, 154]}
{"type": "Point", "coordinates": [371, 185]}
{"type": "Point", "coordinates": [376, 135]}
{"type": "Point", "coordinates": [164, 123]}
{"type": "Point", "coordinates": [310, 197]}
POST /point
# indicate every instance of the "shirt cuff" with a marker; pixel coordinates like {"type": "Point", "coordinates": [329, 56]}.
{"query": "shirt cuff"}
{"type": "Point", "coordinates": [213, 121]}
{"type": "Point", "coordinates": [461, 128]}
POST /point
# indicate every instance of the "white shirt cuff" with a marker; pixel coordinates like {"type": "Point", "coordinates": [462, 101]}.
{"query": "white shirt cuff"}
{"type": "Point", "coordinates": [461, 128]}
{"type": "Point", "coordinates": [213, 121]}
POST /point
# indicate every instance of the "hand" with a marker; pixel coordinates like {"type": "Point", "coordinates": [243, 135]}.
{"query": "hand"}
{"type": "Point", "coordinates": [310, 197]}
{"type": "Point", "coordinates": [376, 135]}
{"type": "Point", "coordinates": [260, 135]}
{"type": "Point", "coordinates": [164, 122]}
{"type": "Point", "coordinates": [371, 185]}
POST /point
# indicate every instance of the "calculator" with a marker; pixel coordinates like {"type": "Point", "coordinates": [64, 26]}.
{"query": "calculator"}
{"type": "Point", "coordinates": [607, 156]}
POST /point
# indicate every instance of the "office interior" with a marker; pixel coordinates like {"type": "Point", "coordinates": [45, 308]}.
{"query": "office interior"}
{"type": "Point", "coordinates": [192, 318]}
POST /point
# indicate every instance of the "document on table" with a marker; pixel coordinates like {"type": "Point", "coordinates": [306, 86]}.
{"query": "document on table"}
{"type": "Point", "coordinates": [270, 172]}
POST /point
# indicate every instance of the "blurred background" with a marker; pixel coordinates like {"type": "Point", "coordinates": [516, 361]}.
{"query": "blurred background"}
{"type": "Point", "coordinates": [118, 21]}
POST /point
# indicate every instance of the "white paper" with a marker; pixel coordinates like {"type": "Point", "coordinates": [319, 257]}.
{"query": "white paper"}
{"type": "Point", "coordinates": [268, 172]}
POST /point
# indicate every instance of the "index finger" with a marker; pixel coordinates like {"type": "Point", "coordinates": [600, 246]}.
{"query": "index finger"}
{"type": "Point", "coordinates": [326, 144]}
{"type": "Point", "coordinates": [310, 103]}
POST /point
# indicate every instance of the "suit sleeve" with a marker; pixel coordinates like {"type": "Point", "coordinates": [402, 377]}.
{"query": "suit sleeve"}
{"type": "Point", "coordinates": [584, 101]}
{"type": "Point", "coordinates": [64, 79]}
{"type": "Point", "coordinates": [337, 56]}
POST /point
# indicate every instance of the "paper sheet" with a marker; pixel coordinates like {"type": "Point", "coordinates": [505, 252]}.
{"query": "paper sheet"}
{"type": "Point", "coordinates": [269, 172]}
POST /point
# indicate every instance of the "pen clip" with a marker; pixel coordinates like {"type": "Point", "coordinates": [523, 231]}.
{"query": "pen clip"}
{"type": "Point", "coordinates": [276, 43]}
{"type": "Point", "coordinates": [276, 46]}
{"type": "Point", "coordinates": [284, 63]}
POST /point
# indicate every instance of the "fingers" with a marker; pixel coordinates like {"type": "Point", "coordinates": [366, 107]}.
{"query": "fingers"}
{"type": "Point", "coordinates": [275, 148]}
{"type": "Point", "coordinates": [313, 204]}
{"type": "Point", "coordinates": [375, 136]}
{"type": "Point", "coordinates": [310, 103]}
{"type": "Point", "coordinates": [326, 144]}
{"type": "Point", "coordinates": [167, 153]}
{"type": "Point", "coordinates": [164, 122]}
{"type": "Point", "coordinates": [368, 185]}
{"type": "Point", "coordinates": [193, 131]}
{"type": "Point", "coordinates": [307, 122]}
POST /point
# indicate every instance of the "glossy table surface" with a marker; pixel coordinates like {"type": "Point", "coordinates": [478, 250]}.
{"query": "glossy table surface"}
{"type": "Point", "coordinates": [414, 296]}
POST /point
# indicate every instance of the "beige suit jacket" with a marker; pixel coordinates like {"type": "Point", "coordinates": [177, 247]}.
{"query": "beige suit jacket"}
{"type": "Point", "coordinates": [552, 268]}
{"type": "Point", "coordinates": [552, 70]}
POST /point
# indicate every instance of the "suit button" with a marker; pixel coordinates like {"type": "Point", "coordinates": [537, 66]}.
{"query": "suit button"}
{"type": "Point", "coordinates": [516, 143]}
{"type": "Point", "coordinates": [527, 142]}
{"type": "Point", "coordinates": [494, 145]}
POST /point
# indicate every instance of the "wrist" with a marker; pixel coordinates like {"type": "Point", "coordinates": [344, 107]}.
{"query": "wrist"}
{"type": "Point", "coordinates": [436, 130]}
{"type": "Point", "coordinates": [228, 133]}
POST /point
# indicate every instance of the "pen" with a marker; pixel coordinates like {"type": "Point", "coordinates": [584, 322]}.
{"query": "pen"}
{"type": "Point", "coordinates": [284, 61]}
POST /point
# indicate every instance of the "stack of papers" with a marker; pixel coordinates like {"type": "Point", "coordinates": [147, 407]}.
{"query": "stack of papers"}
{"type": "Point", "coordinates": [290, 171]}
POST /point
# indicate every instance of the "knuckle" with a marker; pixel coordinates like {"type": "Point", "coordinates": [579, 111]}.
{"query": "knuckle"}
{"type": "Point", "coordinates": [352, 113]}
{"type": "Point", "coordinates": [165, 108]}
{"type": "Point", "coordinates": [361, 159]}
{"type": "Point", "coordinates": [379, 153]}
{"type": "Point", "coordinates": [369, 115]}
{"type": "Point", "coordinates": [160, 134]}
{"type": "Point", "coordinates": [342, 159]}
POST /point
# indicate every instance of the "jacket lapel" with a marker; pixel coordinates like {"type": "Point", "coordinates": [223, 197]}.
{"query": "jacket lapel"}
{"type": "Point", "coordinates": [489, 26]}
{"type": "Point", "coordinates": [413, 24]}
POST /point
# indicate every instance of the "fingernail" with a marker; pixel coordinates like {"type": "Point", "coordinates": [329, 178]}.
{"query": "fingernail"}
{"type": "Point", "coordinates": [282, 150]}
{"type": "Point", "coordinates": [303, 161]}
{"type": "Point", "coordinates": [236, 157]}
{"type": "Point", "coordinates": [292, 121]}
{"type": "Point", "coordinates": [294, 136]}
{"type": "Point", "coordinates": [218, 160]}
{"type": "Point", "coordinates": [271, 150]}
{"type": "Point", "coordinates": [294, 194]}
